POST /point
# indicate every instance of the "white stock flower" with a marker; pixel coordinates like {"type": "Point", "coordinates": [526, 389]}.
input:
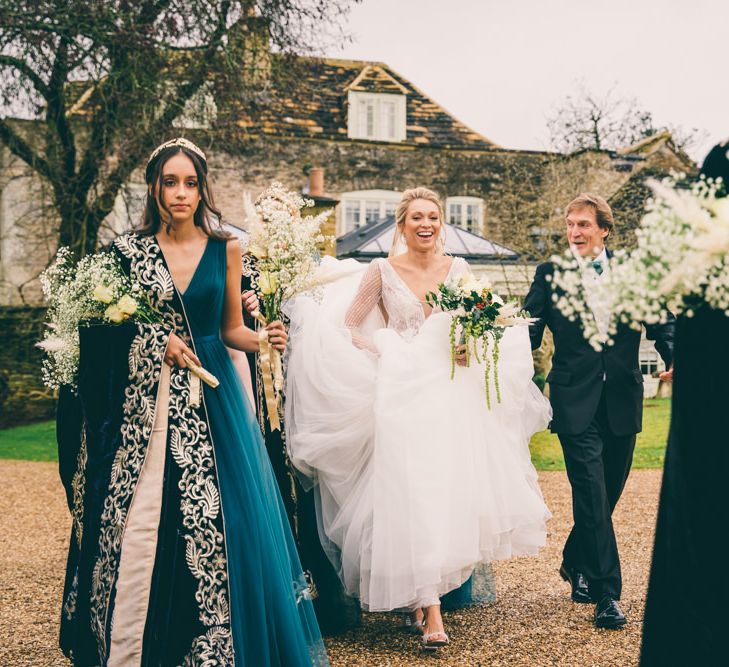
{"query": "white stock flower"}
{"type": "Point", "coordinates": [257, 251]}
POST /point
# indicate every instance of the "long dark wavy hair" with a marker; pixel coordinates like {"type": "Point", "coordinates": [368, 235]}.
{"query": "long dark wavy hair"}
{"type": "Point", "coordinates": [207, 216]}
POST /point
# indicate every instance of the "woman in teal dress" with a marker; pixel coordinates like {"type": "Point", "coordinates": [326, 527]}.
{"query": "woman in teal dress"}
{"type": "Point", "coordinates": [182, 552]}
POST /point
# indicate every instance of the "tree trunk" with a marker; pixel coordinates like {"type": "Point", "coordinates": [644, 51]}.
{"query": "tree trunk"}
{"type": "Point", "coordinates": [79, 230]}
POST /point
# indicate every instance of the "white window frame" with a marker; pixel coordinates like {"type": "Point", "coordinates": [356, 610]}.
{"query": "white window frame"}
{"type": "Point", "coordinates": [374, 126]}
{"type": "Point", "coordinates": [360, 199]}
{"type": "Point", "coordinates": [462, 203]}
{"type": "Point", "coordinates": [649, 359]}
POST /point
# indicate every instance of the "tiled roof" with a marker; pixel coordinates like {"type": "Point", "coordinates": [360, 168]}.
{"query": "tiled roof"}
{"type": "Point", "coordinates": [317, 107]}
{"type": "Point", "coordinates": [375, 239]}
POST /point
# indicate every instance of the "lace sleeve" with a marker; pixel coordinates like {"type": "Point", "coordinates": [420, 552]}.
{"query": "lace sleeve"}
{"type": "Point", "coordinates": [366, 300]}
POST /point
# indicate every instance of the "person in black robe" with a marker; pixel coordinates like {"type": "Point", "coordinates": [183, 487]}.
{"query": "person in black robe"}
{"type": "Point", "coordinates": [686, 608]}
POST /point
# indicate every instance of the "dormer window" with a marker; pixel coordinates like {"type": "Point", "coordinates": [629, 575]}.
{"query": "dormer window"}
{"type": "Point", "coordinates": [377, 116]}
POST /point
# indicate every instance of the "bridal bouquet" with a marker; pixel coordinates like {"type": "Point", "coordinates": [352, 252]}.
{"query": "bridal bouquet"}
{"type": "Point", "coordinates": [94, 291]}
{"type": "Point", "coordinates": [283, 247]}
{"type": "Point", "coordinates": [480, 318]}
{"type": "Point", "coordinates": [681, 261]}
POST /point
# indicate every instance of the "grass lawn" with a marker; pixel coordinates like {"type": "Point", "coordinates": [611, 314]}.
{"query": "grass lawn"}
{"type": "Point", "coordinates": [649, 450]}
{"type": "Point", "coordinates": [37, 442]}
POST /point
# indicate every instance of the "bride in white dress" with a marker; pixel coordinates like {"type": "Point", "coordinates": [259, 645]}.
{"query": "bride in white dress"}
{"type": "Point", "coordinates": [416, 480]}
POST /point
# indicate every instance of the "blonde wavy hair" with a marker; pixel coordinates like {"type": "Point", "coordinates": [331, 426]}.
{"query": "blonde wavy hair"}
{"type": "Point", "coordinates": [408, 197]}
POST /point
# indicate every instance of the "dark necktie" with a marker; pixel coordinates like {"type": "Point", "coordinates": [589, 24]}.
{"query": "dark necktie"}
{"type": "Point", "coordinates": [597, 265]}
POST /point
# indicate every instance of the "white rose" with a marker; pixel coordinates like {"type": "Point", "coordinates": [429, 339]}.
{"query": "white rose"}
{"type": "Point", "coordinates": [267, 283]}
{"type": "Point", "coordinates": [127, 305]}
{"type": "Point", "coordinates": [473, 285]}
{"type": "Point", "coordinates": [114, 314]}
{"type": "Point", "coordinates": [103, 293]}
{"type": "Point", "coordinates": [497, 299]}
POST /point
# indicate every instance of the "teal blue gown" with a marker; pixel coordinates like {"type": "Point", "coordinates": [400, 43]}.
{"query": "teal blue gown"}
{"type": "Point", "coordinates": [272, 616]}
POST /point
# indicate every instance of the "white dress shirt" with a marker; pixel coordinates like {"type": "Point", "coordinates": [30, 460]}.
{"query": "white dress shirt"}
{"type": "Point", "coordinates": [600, 308]}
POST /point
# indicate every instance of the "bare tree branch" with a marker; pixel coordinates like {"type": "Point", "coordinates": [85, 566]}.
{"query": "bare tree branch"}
{"type": "Point", "coordinates": [111, 78]}
{"type": "Point", "coordinates": [27, 71]}
{"type": "Point", "coordinates": [20, 148]}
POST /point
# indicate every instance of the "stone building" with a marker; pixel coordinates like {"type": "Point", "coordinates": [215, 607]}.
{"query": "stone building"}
{"type": "Point", "coordinates": [375, 134]}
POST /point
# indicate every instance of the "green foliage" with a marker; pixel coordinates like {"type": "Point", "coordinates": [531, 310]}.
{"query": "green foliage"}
{"type": "Point", "coordinates": [649, 450]}
{"type": "Point", "coordinates": [35, 442]}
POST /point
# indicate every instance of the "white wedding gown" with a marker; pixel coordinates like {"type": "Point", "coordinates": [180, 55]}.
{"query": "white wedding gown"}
{"type": "Point", "coordinates": [416, 480]}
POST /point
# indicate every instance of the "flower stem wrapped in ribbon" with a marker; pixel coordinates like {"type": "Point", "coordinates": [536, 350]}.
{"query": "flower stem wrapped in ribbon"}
{"type": "Point", "coordinates": [480, 317]}
{"type": "Point", "coordinates": [281, 260]}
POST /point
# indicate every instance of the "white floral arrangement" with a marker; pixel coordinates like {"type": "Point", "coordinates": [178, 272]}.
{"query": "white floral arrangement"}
{"type": "Point", "coordinates": [680, 262]}
{"type": "Point", "coordinates": [479, 319]}
{"type": "Point", "coordinates": [94, 291]}
{"type": "Point", "coordinates": [284, 245]}
{"type": "Point", "coordinates": [282, 259]}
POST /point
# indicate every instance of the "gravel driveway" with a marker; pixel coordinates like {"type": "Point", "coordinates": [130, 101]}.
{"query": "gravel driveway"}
{"type": "Point", "coordinates": [531, 623]}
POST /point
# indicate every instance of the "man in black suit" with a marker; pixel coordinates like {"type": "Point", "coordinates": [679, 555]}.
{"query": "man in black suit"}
{"type": "Point", "coordinates": [597, 401]}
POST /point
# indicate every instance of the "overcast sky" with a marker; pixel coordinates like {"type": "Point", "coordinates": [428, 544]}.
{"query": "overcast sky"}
{"type": "Point", "coordinates": [502, 66]}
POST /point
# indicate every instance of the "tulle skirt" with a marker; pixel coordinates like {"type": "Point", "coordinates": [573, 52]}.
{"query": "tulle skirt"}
{"type": "Point", "coordinates": [272, 617]}
{"type": "Point", "coordinates": [417, 481]}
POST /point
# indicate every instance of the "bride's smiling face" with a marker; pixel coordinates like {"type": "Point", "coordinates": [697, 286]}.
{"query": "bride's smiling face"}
{"type": "Point", "coordinates": [422, 225]}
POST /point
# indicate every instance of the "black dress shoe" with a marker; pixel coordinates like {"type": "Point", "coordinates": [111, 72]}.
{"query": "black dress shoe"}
{"type": "Point", "coordinates": [577, 580]}
{"type": "Point", "coordinates": [609, 615]}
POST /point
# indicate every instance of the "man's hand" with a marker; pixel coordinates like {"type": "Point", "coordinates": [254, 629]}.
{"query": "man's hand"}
{"type": "Point", "coordinates": [250, 301]}
{"type": "Point", "coordinates": [666, 376]}
{"type": "Point", "coordinates": [277, 335]}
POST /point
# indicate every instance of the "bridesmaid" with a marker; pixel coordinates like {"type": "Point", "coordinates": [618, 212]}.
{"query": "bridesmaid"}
{"type": "Point", "coordinates": [686, 614]}
{"type": "Point", "coordinates": [182, 551]}
{"type": "Point", "coordinates": [336, 612]}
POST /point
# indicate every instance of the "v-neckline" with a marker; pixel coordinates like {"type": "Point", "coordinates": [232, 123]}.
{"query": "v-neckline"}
{"type": "Point", "coordinates": [194, 273]}
{"type": "Point", "coordinates": [410, 290]}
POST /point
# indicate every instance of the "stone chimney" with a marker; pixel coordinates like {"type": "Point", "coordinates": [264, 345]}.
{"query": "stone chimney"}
{"type": "Point", "coordinates": [321, 203]}
{"type": "Point", "coordinates": [249, 42]}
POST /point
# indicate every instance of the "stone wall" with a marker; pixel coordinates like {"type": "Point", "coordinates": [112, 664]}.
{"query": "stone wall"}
{"type": "Point", "coordinates": [23, 398]}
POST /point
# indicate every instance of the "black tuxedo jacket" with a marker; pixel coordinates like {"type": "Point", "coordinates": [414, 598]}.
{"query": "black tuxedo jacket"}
{"type": "Point", "coordinates": [580, 374]}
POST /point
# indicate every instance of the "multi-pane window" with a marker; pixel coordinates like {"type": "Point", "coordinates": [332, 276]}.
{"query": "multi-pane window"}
{"type": "Point", "coordinates": [351, 215]}
{"type": "Point", "coordinates": [366, 207]}
{"type": "Point", "coordinates": [378, 117]}
{"type": "Point", "coordinates": [366, 117]}
{"type": "Point", "coordinates": [465, 212]}
{"type": "Point", "coordinates": [372, 211]}
{"type": "Point", "coordinates": [649, 364]}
